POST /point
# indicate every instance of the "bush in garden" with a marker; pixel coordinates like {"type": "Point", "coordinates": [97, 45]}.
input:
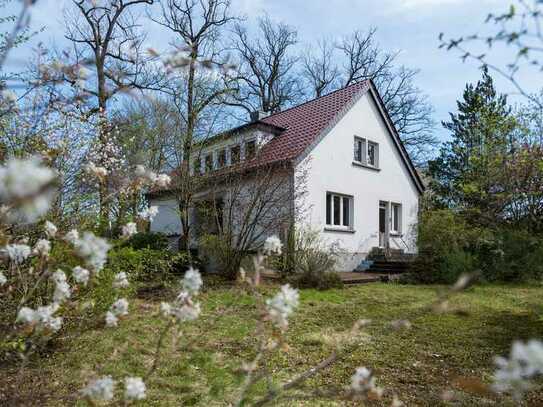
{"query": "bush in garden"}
{"type": "Point", "coordinates": [148, 240]}
{"type": "Point", "coordinates": [308, 262]}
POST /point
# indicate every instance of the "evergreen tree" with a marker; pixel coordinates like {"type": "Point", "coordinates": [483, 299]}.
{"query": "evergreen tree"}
{"type": "Point", "coordinates": [466, 175]}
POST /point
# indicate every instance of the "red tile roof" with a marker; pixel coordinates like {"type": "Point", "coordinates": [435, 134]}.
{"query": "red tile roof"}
{"type": "Point", "coordinates": [306, 122]}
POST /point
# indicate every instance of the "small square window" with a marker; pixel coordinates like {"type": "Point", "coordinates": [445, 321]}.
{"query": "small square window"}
{"type": "Point", "coordinates": [235, 155]}
{"type": "Point", "coordinates": [366, 152]}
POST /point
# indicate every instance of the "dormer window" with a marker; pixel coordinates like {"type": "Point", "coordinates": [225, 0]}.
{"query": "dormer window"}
{"type": "Point", "coordinates": [221, 159]}
{"type": "Point", "coordinates": [235, 155]}
{"type": "Point", "coordinates": [366, 152]}
{"type": "Point", "coordinates": [209, 162]}
{"type": "Point", "coordinates": [250, 149]}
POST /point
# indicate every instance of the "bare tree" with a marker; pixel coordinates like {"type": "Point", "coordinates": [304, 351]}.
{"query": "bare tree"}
{"type": "Point", "coordinates": [105, 36]}
{"type": "Point", "coordinates": [363, 58]}
{"type": "Point", "coordinates": [197, 25]}
{"type": "Point", "coordinates": [244, 206]}
{"type": "Point", "coordinates": [358, 57]}
{"type": "Point", "coordinates": [267, 79]}
{"type": "Point", "coordinates": [320, 68]}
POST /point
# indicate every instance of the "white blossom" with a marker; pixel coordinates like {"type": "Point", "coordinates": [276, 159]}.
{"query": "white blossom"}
{"type": "Point", "coordinates": [186, 312]}
{"type": "Point", "coordinates": [24, 182]}
{"type": "Point", "coordinates": [9, 96]}
{"type": "Point", "coordinates": [81, 275]}
{"type": "Point", "coordinates": [72, 236]}
{"type": "Point", "coordinates": [42, 248]}
{"type": "Point", "coordinates": [272, 245]}
{"type": "Point", "coordinates": [134, 388]}
{"type": "Point", "coordinates": [525, 362]}
{"type": "Point", "coordinates": [165, 309]}
{"type": "Point", "coordinates": [18, 253]}
{"type": "Point", "coordinates": [93, 249]}
{"type": "Point", "coordinates": [26, 315]}
{"type": "Point", "coordinates": [121, 280]}
{"type": "Point", "coordinates": [100, 390]}
{"type": "Point", "coordinates": [50, 229]}
{"type": "Point", "coordinates": [149, 213]}
{"type": "Point", "coordinates": [62, 288]}
{"type": "Point", "coordinates": [111, 319]}
{"type": "Point", "coordinates": [162, 180]}
{"type": "Point", "coordinates": [95, 170]}
{"type": "Point", "coordinates": [282, 305]}
{"type": "Point", "coordinates": [192, 282]}
{"type": "Point", "coordinates": [42, 317]}
{"type": "Point", "coordinates": [3, 279]}
{"type": "Point", "coordinates": [140, 171]}
{"type": "Point", "coordinates": [120, 307]}
{"type": "Point", "coordinates": [129, 230]}
{"type": "Point", "coordinates": [363, 381]}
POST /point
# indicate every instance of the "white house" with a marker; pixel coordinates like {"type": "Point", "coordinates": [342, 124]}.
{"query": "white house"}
{"type": "Point", "coordinates": [360, 188]}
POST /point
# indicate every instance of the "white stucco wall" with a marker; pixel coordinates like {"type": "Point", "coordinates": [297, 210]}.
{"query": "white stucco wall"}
{"type": "Point", "coordinates": [332, 170]}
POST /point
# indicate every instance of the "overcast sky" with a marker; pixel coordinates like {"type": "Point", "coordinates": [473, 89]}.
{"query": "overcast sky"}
{"type": "Point", "coordinates": [409, 26]}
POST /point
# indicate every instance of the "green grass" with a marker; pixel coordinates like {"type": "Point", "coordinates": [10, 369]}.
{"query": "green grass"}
{"type": "Point", "coordinates": [200, 370]}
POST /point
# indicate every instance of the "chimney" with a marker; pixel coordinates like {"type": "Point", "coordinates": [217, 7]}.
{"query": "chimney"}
{"type": "Point", "coordinates": [258, 115]}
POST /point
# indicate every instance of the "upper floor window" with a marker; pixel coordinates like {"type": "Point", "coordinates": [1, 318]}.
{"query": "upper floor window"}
{"type": "Point", "coordinates": [250, 149]}
{"type": "Point", "coordinates": [339, 210]}
{"type": "Point", "coordinates": [366, 152]}
{"type": "Point", "coordinates": [235, 154]}
{"type": "Point", "coordinates": [221, 159]}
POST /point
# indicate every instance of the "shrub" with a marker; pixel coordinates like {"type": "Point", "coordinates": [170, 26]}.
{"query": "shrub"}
{"type": "Point", "coordinates": [307, 262]}
{"type": "Point", "coordinates": [148, 264]}
{"type": "Point", "coordinates": [321, 281]}
{"type": "Point", "coordinates": [219, 254]}
{"type": "Point", "coordinates": [149, 240]}
{"type": "Point", "coordinates": [448, 247]}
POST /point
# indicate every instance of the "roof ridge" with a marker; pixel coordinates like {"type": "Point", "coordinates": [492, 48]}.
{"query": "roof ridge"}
{"type": "Point", "coordinates": [365, 81]}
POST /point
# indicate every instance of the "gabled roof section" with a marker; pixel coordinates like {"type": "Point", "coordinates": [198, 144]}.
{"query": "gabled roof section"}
{"type": "Point", "coordinates": [304, 124]}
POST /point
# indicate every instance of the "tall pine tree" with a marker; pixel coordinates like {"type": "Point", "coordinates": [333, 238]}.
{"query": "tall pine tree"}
{"type": "Point", "coordinates": [466, 174]}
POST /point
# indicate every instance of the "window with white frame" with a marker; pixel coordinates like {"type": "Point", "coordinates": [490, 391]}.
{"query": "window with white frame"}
{"type": "Point", "coordinates": [221, 158]}
{"type": "Point", "coordinates": [250, 149]}
{"type": "Point", "coordinates": [396, 218]}
{"type": "Point", "coordinates": [366, 152]}
{"type": "Point", "coordinates": [339, 210]}
{"type": "Point", "coordinates": [235, 154]}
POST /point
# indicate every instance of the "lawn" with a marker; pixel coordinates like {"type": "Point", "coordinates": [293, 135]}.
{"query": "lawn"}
{"type": "Point", "coordinates": [419, 364]}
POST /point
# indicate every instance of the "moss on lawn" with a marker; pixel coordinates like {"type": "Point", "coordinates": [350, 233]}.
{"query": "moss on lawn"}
{"type": "Point", "coordinates": [419, 364]}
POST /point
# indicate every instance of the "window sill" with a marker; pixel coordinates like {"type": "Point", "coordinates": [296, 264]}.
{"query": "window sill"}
{"type": "Point", "coordinates": [369, 167]}
{"type": "Point", "coordinates": [338, 230]}
{"type": "Point", "coordinates": [396, 234]}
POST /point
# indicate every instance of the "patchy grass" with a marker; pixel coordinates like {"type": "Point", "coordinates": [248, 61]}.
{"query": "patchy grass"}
{"type": "Point", "coordinates": [200, 369]}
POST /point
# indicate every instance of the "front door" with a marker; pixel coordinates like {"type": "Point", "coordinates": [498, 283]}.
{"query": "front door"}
{"type": "Point", "coordinates": [383, 230]}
